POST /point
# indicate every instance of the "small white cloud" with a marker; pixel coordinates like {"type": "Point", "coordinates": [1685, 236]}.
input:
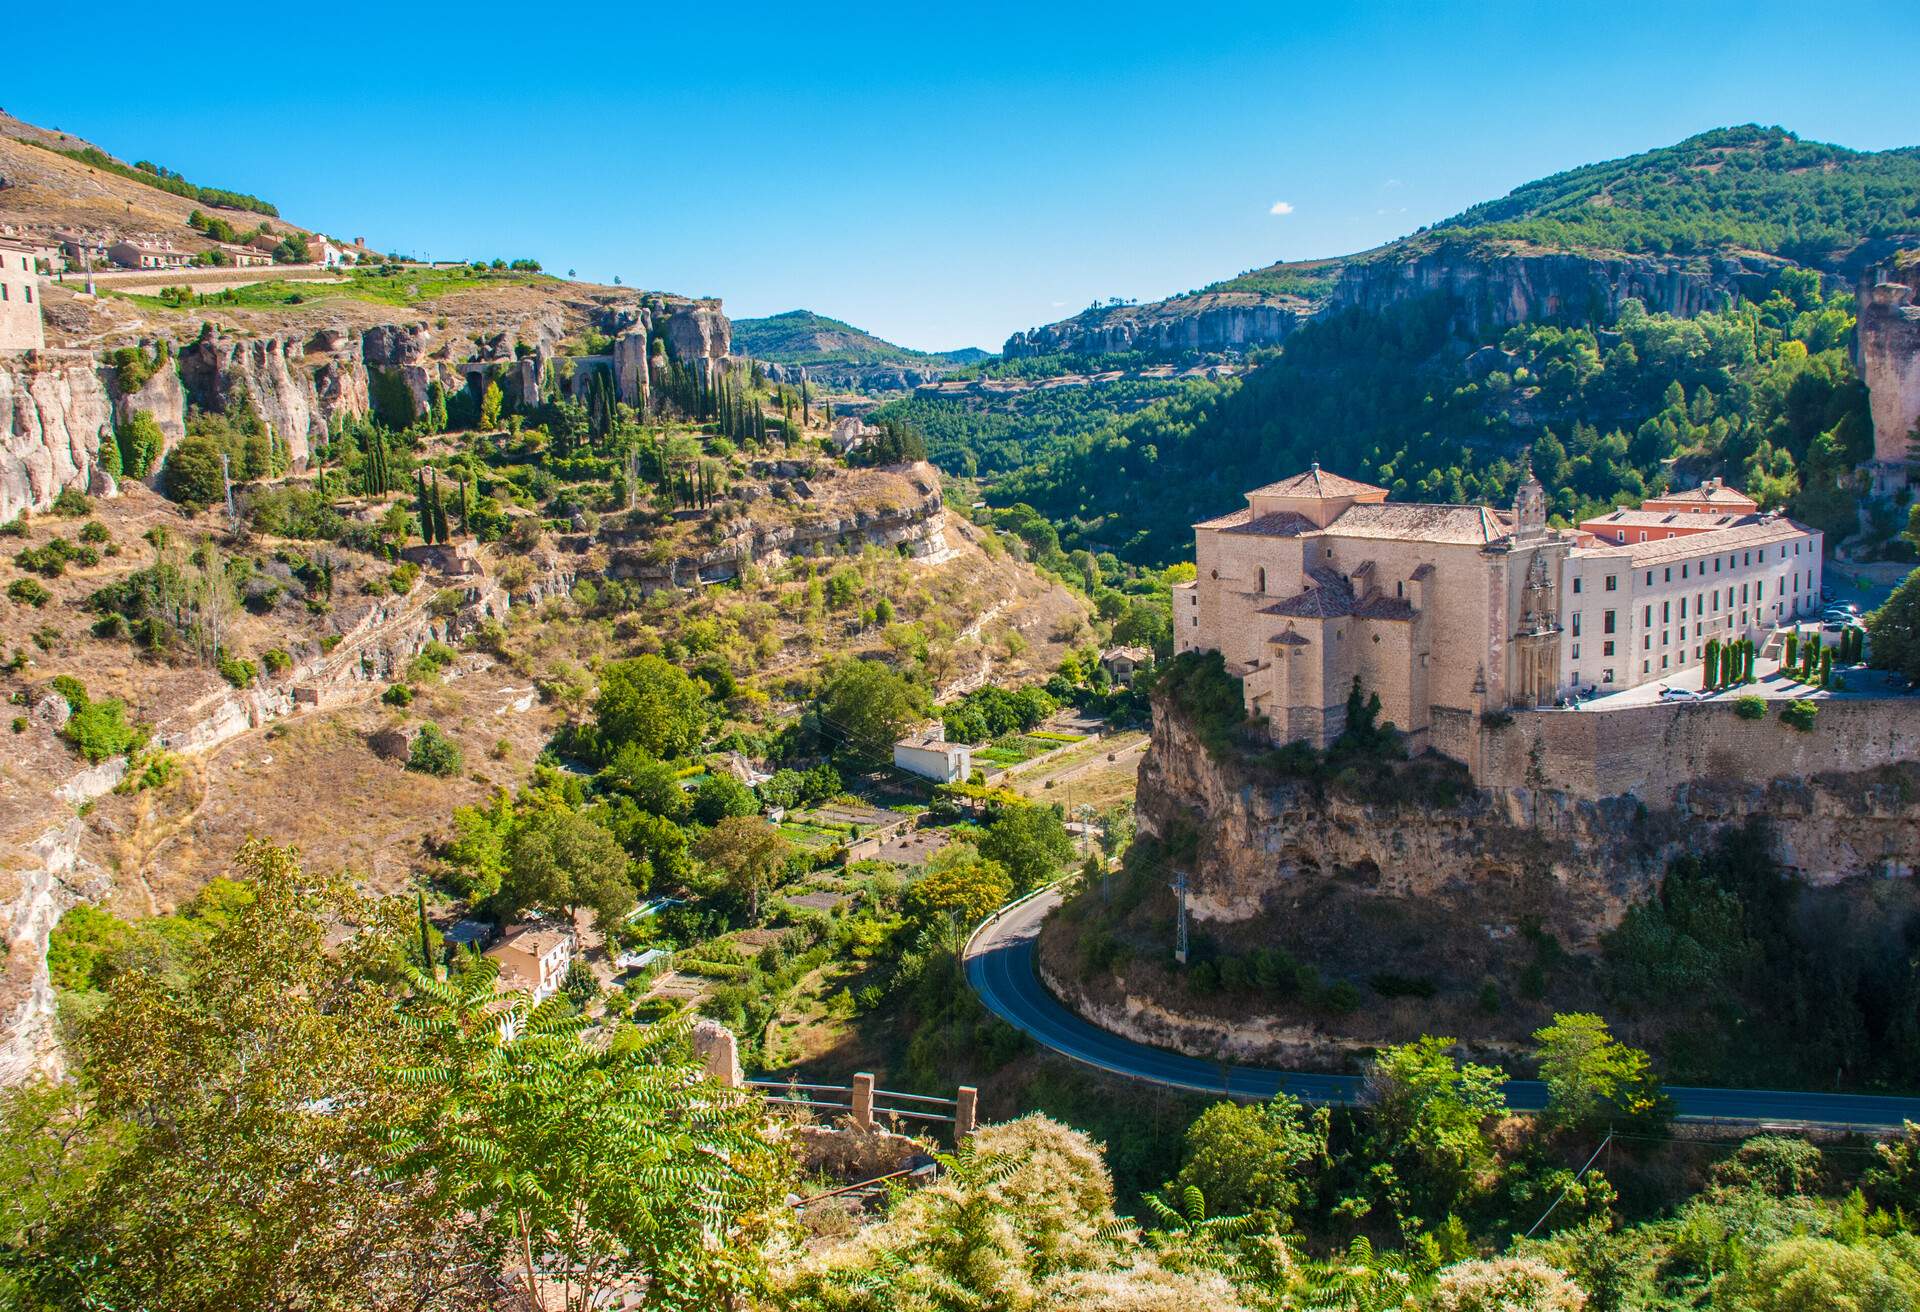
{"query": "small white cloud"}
{"type": "Point", "coordinates": [1056, 304]}
{"type": "Point", "coordinates": [1402, 209]}
{"type": "Point", "coordinates": [1391, 183]}
{"type": "Point", "coordinates": [1281, 207]}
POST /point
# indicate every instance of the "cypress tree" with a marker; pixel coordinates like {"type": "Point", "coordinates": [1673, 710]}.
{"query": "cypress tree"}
{"type": "Point", "coordinates": [426, 507]}
{"type": "Point", "coordinates": [1710, 676]}
{"type": "Point", "coordinates": [466, 524]}
{"type": "Point", "coordinates": [439, 513]}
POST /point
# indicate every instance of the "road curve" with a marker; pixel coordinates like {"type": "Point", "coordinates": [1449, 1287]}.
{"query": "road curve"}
{"type": "Point", "coordinates": [1001, 969]}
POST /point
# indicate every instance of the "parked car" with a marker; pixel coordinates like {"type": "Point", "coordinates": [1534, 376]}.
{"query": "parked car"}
{"type": "Point", "coordinates": [1676, 694]}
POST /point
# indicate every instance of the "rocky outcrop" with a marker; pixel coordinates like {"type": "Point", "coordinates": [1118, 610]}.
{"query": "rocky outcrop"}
{"type": "Point", "coordinates": [401, 351]}
{"type": "Point", "coordinates": [698, 332]}
{"type": "Point", "coordinates": [632, 364]}
{"type": "Point", "coordinates": [161, 396]}
{"type": "Point", "coordinates": [377, 640]}
{"type": "Point", "coordinates": [1887, 352]}
{"type": "Point", "coordinates": [917, 528]}
{"type": "Point", "coordinates": [55, 879]}
{"type": "Point", "coordinates": [53, 410]}
{"type": "Point", "coordinates": [1486, 860]}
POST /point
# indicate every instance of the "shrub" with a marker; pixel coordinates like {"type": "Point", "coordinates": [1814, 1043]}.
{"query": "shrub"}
{"type": "Point", "coordinates": [193, 476]}
{"type": "Point", "coordinates": [94, 531]}
{"type": "Point", "coordinates": [72, 503]}
{"type": "Point", "coordinates": [434, 753]}
{"type": "Point", "coordinates": [398, 694]}
{"type": "Point", "coordinates": [29, 592]}
{"type": "Point", "coordinates": [277, 660]}
{"type": "Point", "coordinates": [1750, 707]}
{"type": "Point", "coordinates": [239, 671]}
{"type": "Point", "coordinates": [1798, 714]}
{"type": "Point", "coordinates": [99, 730]}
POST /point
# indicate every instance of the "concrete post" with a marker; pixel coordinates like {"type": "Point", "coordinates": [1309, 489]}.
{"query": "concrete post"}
{"type": "Point", "coordinates": [966, 1115]}
{"type": "Point", "coordinates": [863, 1102]}
{"type": "Point", "coordinates": [718, 1050]}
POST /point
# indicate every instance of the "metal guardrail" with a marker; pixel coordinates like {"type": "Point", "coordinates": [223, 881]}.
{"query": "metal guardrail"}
{"type": "Point", "coordinates": [866, 1104]}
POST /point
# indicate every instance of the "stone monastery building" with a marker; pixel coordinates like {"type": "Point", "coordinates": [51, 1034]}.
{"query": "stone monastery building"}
{"type": "Point", "coordinates": [1450, 612]}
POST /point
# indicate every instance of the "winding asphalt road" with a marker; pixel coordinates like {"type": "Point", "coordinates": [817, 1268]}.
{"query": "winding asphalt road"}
{"type": "Point", "coordinates": [1000, 967]}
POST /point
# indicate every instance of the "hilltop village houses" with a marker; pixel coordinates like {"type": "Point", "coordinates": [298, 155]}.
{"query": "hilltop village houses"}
{"type": "Point", "coordinates": [1451, 612]}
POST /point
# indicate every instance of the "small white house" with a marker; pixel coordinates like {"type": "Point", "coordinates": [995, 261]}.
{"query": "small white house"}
{"type": "Point", "coordinates": [930, 756]}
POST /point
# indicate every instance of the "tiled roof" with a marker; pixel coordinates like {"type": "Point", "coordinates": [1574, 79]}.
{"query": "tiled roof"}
{"type": "Point", "coordinates": [1329, 596]}
{"type": "Point", "coordinates": [1232, 519]}
{"type": "Point", "coordinates": [1290, 639]}
{"type": "Point", "coordinates": [1416, 522]}
{"type": "Point", "coordinates": [1280, 524]}
{"type": "Point", "coordinates": [1695, 520]}
{"type": "Point", "coordinates": [1382, 607]}
{"type": "Point", "coordinates": [1316, 482]}
{"type": "Point", "coordinates": [1759, 533]}
{"type": "Point", "coordinates": [1711, 493]}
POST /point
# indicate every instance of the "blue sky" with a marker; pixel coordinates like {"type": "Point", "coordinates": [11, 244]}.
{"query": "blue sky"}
{"type": "Point", "coordinates": [942, 178]}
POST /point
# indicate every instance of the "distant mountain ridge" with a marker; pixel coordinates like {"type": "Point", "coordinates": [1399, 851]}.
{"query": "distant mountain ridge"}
{"type": "Point", "coordinates": [1681, 228]}
{"type": "Point", "coordinates": [838, 354]}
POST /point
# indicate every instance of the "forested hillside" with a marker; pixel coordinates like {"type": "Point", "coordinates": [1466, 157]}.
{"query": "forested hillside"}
{"type": "Point", "coordinates": [1764, 394]}
{"type": "Point", "coordinates": [1744, 188]}
{"type": "Point", "coordinates": [801, 337]}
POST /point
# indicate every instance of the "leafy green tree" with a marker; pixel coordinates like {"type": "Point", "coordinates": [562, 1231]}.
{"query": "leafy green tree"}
{"type": "Point", "coordinates": [1430, 1118]}
{"type": "Point", "coordinates": [229, 1132]}
{"type": "Point", "coordinates": [1592, 1078]}
{"type": "Point", "coordinates": [559, 861]}
{"type": "Point", "coordinates": [721, 795]}
{"type": "Point", "coordinates": [960, 887]}
{"type": "Point", "coordinates": [490, 402]}
{"type": "Point", "coordinates": [647, 779]}
{"type": "Point", "coordinates": [598, 1171]}
{"type": "Point", "coordinates": [750, 853]}
{"type": "Point", "coordinates": [650, 702]}
{"type": "Point", "coordinates": [1894, 630]}
{"type": "Point", "coordinates": [1031, 842]}
{"type": "Point", "coordinates": [477, 852]}
{"type": "Point", "coordinates": [1262, 1159]}
{"type": "Point", "coordinates": [140, 441]}
{"type": "Point", "coordinates": [864, 707]}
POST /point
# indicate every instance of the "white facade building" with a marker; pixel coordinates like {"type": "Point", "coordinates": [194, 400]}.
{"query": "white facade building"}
{"type": "Point", "coordinates": [1643, 611]}
{"type": "Point", "coordinates": [930, 756]}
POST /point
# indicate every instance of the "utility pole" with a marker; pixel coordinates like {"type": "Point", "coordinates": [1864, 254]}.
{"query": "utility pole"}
{"type": "Point", "coordinates": [1180, 934]}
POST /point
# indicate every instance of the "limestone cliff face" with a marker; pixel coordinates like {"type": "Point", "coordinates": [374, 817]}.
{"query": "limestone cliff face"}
{"type": "Point", "coordinates": [1492, 288]}
{"type": "Point", "coordinates": [1167, 328]}
{"type": "Point", "coordinates": [272, 373]}
{"type": "Point", "coordinates": [1507, 855]}
{"type": "Point", "coordinates": [402, 349]}
{"type": "Point", "coordinates": [52, 412]}
{"type": "Point", "coordinates": [1887, 351]}
{"type": "Point", "coordinates": [1497, 289]}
